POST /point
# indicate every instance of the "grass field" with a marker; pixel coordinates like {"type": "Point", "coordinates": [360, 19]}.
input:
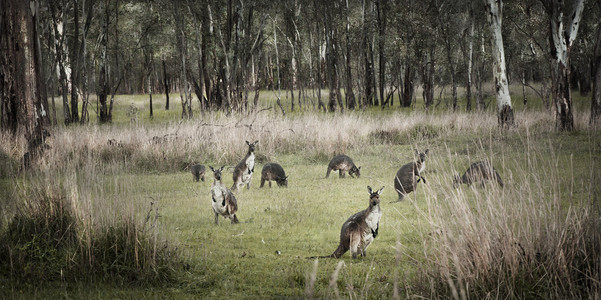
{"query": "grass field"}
{"type": "Point", "coordinates": [535, 238]}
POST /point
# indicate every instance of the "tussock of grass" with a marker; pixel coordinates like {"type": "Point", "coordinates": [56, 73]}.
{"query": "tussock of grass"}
{"type": "Point", "coordinates": [52, 237]}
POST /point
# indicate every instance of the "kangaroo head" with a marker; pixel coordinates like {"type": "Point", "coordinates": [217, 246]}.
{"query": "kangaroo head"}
{"type": "Point", "coordinates": [355, 170]}
{"type": "Point", "coordinates": [374, 197]}
{"type": "Point", "coordinates": [251, 146]}
{"type": "Point", "coordinates": [217, 172]}
{"type": "Point", "coordinates": [422, 155]}
{"type": "Point", "coordinates": [282, 181]}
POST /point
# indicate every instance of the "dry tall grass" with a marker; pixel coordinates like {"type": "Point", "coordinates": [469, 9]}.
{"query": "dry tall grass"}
{"type": "Point", "coordinates": [538, 237]}
{"type": "Point", "coordinates": [220, 140]}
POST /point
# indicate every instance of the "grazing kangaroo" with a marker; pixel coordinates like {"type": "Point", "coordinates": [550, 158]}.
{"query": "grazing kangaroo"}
{"type": "Point", "coordinates": [478, 171]}
{"type": "Point", "coordinates": [244, 169]}
{"type": "Point", "coordinates": [273, 171]}
{"type": "Point", "coordinates": [409, 175]}
{"type": "Point", "coordinates": [198, 171]}
{"type": "Point", "coordinates": [343, 164]}
{"type": "Point", "coordinates": [360, 229]}
{"type": "Point", "coordinates": [224, 202]}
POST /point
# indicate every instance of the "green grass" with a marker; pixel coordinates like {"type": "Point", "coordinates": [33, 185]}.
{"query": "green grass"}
{"type": "Point", "coordinates": [265, 255]}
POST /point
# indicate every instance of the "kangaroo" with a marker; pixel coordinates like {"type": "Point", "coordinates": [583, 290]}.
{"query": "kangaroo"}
{"type": "Point", "coordinates": [343, 164]}
{"type": "Point", "coordinates": [244, 169]}
{"type": "Point", "coordinates": [224, 202]}
{"type": "Point", "coordinates": [409, 175]}
{"type": "Point", "coordinates": [273, 171]}
{"type": "Point", "coordinates": [198, 171]}
{"type": "Point", "coordinates": [360, 229]}
{"type": "Point", "coordinates": [478, 171]}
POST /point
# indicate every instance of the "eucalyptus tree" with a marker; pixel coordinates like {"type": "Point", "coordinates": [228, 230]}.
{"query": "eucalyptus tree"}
{"type": "Point", "coordinates": [564, 20]}
{"type": "Point", "coordinates": [596, 61]}
{"type": "Point", "coordinates": [22, 112]}
{"type": "Point", "coordinates": [494, 9]}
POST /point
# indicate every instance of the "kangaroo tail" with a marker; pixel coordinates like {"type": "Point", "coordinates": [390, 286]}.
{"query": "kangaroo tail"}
{"type": "Point", "coordinates": [499, 180]}
{"type": "Point", "coordinates": [337, 253]}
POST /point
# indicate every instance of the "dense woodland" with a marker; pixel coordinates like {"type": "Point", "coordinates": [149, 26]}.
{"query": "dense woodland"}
{"type": "Point", "coordinates": [324, 55]}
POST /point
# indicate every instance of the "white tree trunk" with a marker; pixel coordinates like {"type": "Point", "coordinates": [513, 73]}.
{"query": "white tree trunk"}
{"type": "Point", "coordinates": [562, 42]}
{"type": "Point", "coordinates": [495, 18]}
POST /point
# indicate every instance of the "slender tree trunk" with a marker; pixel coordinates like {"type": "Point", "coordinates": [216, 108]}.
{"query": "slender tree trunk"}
{"type": "Point", "coordinates": [381, 8]}
{"type": "Point", "coordinates": [331, 59]}
{"type": "Point", "coordinates": [596, 97]}
{"type": "Point", "coordinates": [479, 71]}
{"type": "Point", "coordinates": [277, 63]}
{"type": "Point", "coordinates": [470, 59]}
{"type": "Point", "coordinates": [120, 75]}
{"type": "Point", "coordinates": [428, 77]}
{"type": "Point", "coordinates": [59, 33]}
{"type": "Point", "coordinates": [103, 90]}
{"type": "Point", "coordinates": [39, 72]}
{"type": "Point", "coordinates": [504, 108]}
{"type": "Point", "coordinates": [166, 85]}
{"type": "Point", "coordinates": [75, 63]}
{"type": "Point", "coordinates": [408, 84]}
{"type": "Point", "coordinates": [149, 86]}
{"type": "Point", "coordinates": [368, 54]}
{"type": "Point", "coordinates": [182, 47]}
{"type": "Point", "coordinates": [85, 116]}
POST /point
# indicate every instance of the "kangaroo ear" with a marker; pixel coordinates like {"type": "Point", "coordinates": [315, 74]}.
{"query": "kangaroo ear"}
{"type": "Point", "coordinates": [426, 152]}
{"type": "Point", "coordinates": [256, 142]}
{"type": "Point", "coordinates": [247, 143]}
{"type": "Point", "coordinates": [358, 168]}
{"type": "Point", "coordinates": [221, 169]}
{"type": "Point", "coordinates": [211, 168]}
{"type": "Point", "coordinates": [380, 191]}
{"type": "Point", "coordinates": [369, 189]}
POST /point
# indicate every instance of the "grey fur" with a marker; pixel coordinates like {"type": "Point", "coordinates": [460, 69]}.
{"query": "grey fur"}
{"type": "Point", "coordinates": [245, 168]}
{"type": "Point", "coordinates": [360, 229]}
{"type": "Point", "coordinates": [343, 164]}
{"type": "Point", "coordinates": [198, 171]}
{"type": "Point", "coordinates": [273, 171]}
{"type": "Point", "coordinates": [479, 171]}
{"type": "Point", "coordinates": [409, 175]}
{"type": "Point", "coordinates": [223, 200]}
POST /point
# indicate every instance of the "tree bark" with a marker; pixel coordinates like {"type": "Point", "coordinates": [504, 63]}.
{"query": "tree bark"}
{"type": "Point", "coordinates": [562, 39]}
{"type": "Point", "coordinates": [59, 33]}
{"type": "Point", "coordinates": [381, 8]}
{"type": "Point", "coordinates": [349, 93]}
{"type": "Point", "coordinates": [20, 81]}
{"type": "Point", "coordinates": [504, 107]}
{"type": "Point", "coordinates": [368, 55]}
{"type": "Point", "coordinates": [596, 96]}
{"type": "Point", "coordinates": [166, 85]}
{"type": "Point", "coordinates": [103, 89]}
{"type": "Point", "coordinates": [75, 63]}
{"type": "Point", "coordinates": [470, 59]}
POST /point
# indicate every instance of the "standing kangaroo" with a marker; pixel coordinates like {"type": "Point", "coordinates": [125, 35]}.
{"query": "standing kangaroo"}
{"type": "Point", "coordinates": [478, 171]}
{"type": "Point", "coordinates": [343, 164]}
{"type": "Point", "coordinates": [224, 202]}
{"type": "Point", "coordinates": [360, 229]}
{"type": "Point", "coordinates": [409, 175]}
{"type": "Point", "coordinates": [244, 169]}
